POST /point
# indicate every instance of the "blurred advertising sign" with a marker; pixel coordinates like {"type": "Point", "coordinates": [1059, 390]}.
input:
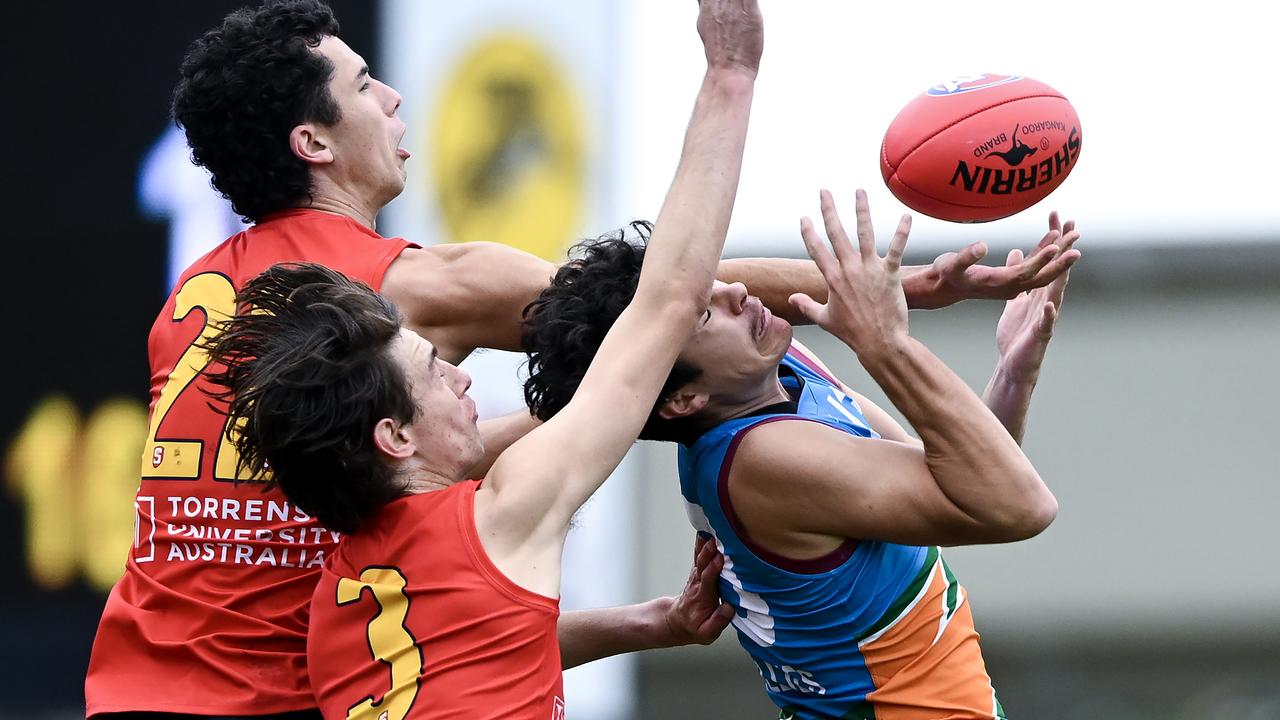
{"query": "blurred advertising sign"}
{"type": "Point", "coordinates": [509, 105]}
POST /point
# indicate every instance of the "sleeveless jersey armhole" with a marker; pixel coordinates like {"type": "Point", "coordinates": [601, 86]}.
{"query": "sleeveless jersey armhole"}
{"type": "Point", "coordinates": [813, 566]}
{"type": "Point", "coordinates": [484, 564]}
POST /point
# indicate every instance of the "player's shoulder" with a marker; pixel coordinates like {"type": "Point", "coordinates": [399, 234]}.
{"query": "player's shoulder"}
{"type": "Point", "coordinates": [401, 525]}
{"type": "Point", "coordinates": [219, 258]}
{"type": "Point", "coordinates": [428, 287]}
{"type": "Point", "coordinates": [430, 272]}
{"type": "Point", "coordinates": [469, 260]}
{"type": "Point", "coordinates": [779, 463]}
{"type": "Point", "coordinates": [451, 255]}
{"type": "Point", "coordinates": [413, 262]}
{"type": "Point", "coordinates": [776, 445]}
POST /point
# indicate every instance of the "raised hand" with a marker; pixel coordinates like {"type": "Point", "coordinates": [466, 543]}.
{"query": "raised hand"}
{"type": "Point", "coordinates": [1027, 323]}
{"type": "Point", "coordinates": [732, 33]}
{"type": "Point", "coordinates": [865, 307]}
{"type": "Point", "coordinates": [957, 276]}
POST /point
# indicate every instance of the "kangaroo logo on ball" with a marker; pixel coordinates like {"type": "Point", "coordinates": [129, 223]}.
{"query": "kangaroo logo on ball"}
{"type": "Point", "coordinates": [1016, 154]}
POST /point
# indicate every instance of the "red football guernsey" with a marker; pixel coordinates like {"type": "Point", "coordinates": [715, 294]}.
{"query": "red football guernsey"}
{"type": "Point", "coordinates": [211, 614]}
{"type": "Point", "coordinates": [411, 619]}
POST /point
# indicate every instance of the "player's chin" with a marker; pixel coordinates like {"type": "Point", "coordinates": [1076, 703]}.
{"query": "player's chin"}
{"type": "Point", "coordinates": [777, 340]}
{"type": "Point", "coordinates": [394, 184]}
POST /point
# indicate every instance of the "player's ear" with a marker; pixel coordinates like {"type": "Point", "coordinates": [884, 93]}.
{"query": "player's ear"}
{"type": "Point", "coordinates": [308, 143]}
{"type": "Point", "coordinates": [682, 403]}
{"type": "Point", "coordinates": [392, 440]}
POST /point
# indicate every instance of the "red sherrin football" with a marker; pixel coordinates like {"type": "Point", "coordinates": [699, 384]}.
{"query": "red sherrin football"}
{"type": "Point", "coordinates": [980, 148]}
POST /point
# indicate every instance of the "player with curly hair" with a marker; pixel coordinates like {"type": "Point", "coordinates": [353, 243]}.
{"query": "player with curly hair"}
{"type": "Point", "coordinates": [828, 514]}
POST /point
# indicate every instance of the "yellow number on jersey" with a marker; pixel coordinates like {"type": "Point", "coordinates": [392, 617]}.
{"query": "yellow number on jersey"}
{"type": "Point", "coordinates": [389, 640]}
{"type": "Point", "coordinates": [213, 294]}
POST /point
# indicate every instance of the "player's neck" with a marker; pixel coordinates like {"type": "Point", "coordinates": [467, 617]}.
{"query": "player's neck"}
{"type": "Point", "coordinates": [727, 408]}
{"type": "Point", "coordinates": [329, 197]}
{"type": "Point", "coordinates": [423, 477]}
{"type": "Point", "coordinates": [425, 481]}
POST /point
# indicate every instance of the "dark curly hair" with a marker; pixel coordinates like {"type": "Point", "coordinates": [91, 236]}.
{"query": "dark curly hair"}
{"type": "Point", "coordinates": [565, 324]}
{"type": "Point", "coordinates": [244, 86]}
{"type": "Point", "coordinates": [305, 367]}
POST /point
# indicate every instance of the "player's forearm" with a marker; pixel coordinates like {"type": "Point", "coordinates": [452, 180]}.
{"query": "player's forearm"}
{"type": "Point", "coordinates": [973, 458]}
{"type": "Point", "coordinates": [689, 234]}
{"type": "Point", "coordinates": [1009, 399]}
{"type": "Point", "coordinates": [588, 635]}
{"type": "Point", "coordinates": [773, 280]}
{"type": "Point", "coordinates": [674, 288]}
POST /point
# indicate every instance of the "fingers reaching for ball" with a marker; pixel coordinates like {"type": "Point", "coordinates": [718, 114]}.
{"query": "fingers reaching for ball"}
{"type": "Point", "coordinates": [865, 306]}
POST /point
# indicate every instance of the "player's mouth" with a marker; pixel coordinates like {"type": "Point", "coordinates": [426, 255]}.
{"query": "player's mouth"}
{"type": "Point", "coordinates": [764, 319]}
{"type": "Point", "coordinates": [400, 151]}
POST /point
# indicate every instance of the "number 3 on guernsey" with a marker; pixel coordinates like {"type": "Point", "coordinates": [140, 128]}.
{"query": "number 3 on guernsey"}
{"type": "Point", "coordinates": [389, 641]}
{"type": "Point", "coordinates": [176, 458]}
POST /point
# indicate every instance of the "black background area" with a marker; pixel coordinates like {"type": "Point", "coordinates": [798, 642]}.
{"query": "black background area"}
{"type": "Point", "coordinates": [86, 92]}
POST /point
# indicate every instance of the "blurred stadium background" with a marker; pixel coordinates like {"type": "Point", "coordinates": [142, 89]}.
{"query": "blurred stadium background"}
{"type": "Point", "coordinates": [533, 123]}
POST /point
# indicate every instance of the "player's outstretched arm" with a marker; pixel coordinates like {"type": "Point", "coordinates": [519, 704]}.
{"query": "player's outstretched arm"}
{"type": "Point", "coordinates": [950, 278]}
{"type": "Point", "coordinates": [970, 479]}
{"type": "Point", "coordinates": [524, 506]}
{"type": "Point", "coordinates": [466, 296]}
{"type": "Point", "coordinates": [1022, 337]}
{"type": "Point", "coordinates": [957, 276]}
{"type": "Point", "coordinates": [696, 615]}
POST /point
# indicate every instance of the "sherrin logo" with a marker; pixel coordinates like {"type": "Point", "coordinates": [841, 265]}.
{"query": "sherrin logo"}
{"type": "Point", "coordinates": [969, 83]}
{"type": "Point", "coordinates": [1018, 178]}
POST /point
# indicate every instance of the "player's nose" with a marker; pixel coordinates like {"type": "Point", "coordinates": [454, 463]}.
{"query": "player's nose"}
{"type": "Point", "coordinates": [393, 98]}
{"type": "Point", "coordinates": [458, 379]}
